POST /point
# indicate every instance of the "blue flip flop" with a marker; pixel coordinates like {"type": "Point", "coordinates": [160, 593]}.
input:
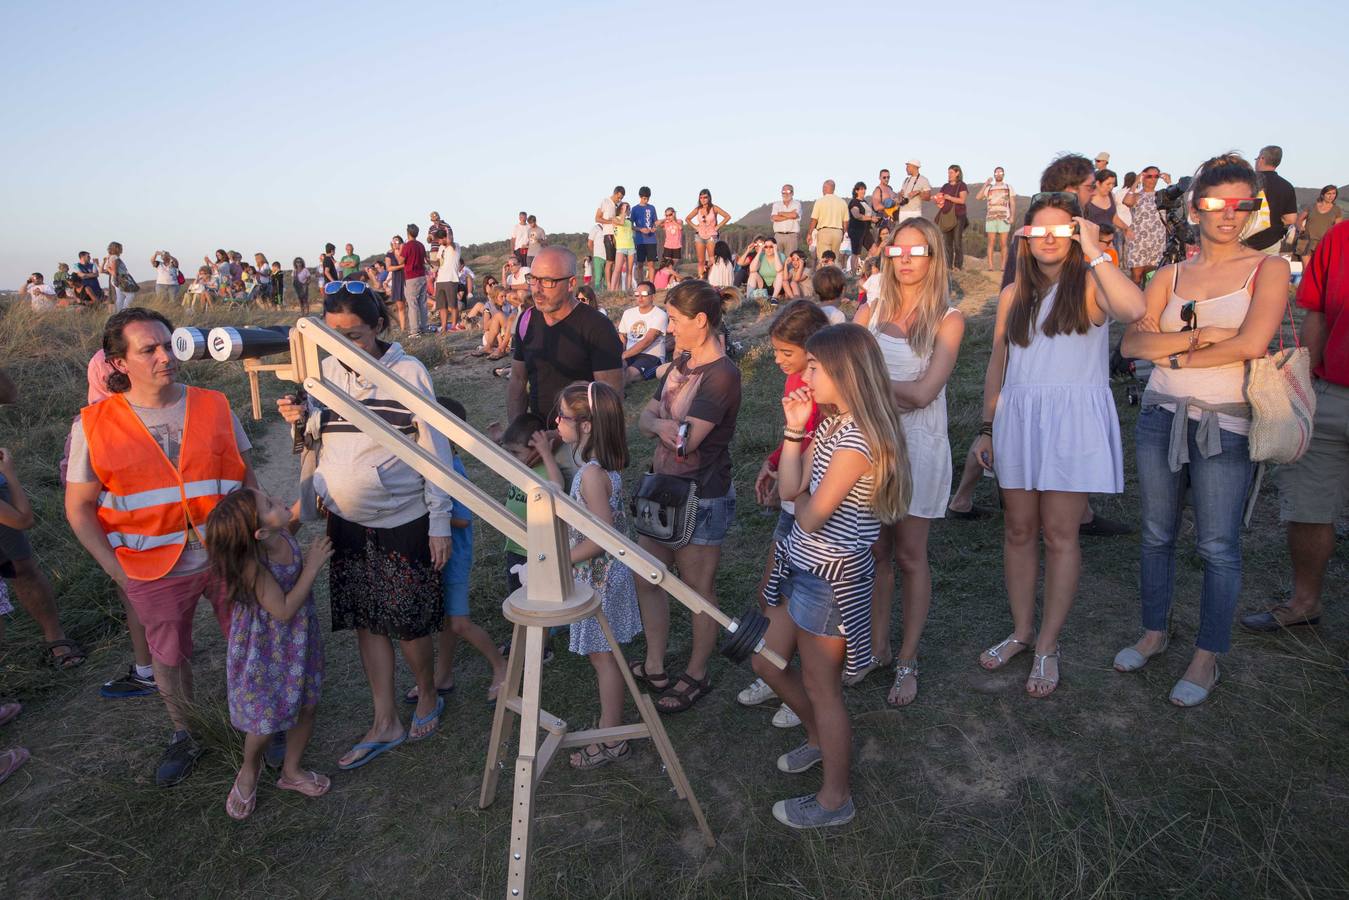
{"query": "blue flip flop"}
{"type": "Point", "coordinates": [375, 748]}
{"type": "Point", "coordinates": [419, 721]}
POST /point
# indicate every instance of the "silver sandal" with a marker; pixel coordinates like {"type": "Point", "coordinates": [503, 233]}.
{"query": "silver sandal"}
{"type": "Point", "coordinates": [1037, 673]}
{"type": "Point", "coordinates": [903, 670]}
{"type": "Point", "coordinates": [995, 652]}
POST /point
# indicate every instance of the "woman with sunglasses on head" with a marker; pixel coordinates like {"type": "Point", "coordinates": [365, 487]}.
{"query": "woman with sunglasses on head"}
{"type": "Point", "coordinates": [919, 333]}
{"type": "Point", "coordinates": [1147, 235]}
{"type": "Point", "coordinates": [1205, 318]}
{"type": "Point", "coordinates": [390, 528]}
{"type": "Point", "coordinates": [1050, 428]}
{"type": "Point", "coordinates": [706, 219]}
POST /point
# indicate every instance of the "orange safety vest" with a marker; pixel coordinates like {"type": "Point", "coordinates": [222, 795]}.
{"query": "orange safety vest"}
{"type": "Point", "coordinates": [148, 505]}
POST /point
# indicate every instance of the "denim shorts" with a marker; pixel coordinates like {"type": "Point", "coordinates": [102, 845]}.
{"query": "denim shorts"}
{"type": "Point", "coordinates": [715, 515]}
{"type": "Point", "coordinates": [784, 527]}
{"type": "Point", "coordinates": [810, 602]}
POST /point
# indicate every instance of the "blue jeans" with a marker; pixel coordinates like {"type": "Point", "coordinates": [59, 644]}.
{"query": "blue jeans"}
{"type": "Point", "coordinates": [1218, 487]}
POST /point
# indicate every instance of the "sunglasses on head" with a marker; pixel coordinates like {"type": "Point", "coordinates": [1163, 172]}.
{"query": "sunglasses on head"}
{"type": "Point", "coordinates": [1240, 204]}
{"type": "Point", "coordinates": [351, 287]}
{"type": "Point", "coordinates": [1041, 231]}
{"type": "Point", "coordinates": [895, 250]}
{"type": "Point", "coordinates": [1066, 196]}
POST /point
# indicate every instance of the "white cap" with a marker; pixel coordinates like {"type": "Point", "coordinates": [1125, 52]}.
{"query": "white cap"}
{"type": "Point", "coordinates": [914, 162]}
{"type": "Point", "coordinates": [1102, 157]}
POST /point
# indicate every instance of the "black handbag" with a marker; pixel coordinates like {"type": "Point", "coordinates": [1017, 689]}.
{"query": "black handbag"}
{"type": "Point", "coordinates": [665, 508]}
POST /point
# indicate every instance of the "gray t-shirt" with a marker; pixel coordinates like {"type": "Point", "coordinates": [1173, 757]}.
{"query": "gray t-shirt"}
{"type": "Point", "coordinates": [165, 424]}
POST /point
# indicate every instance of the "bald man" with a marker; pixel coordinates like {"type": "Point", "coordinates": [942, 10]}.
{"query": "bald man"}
{"type": "Point", "coordinates": [828, 218]}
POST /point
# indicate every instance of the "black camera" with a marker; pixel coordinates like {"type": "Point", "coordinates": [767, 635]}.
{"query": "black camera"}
{"type": "Point", "coordinates": [1175, 212]}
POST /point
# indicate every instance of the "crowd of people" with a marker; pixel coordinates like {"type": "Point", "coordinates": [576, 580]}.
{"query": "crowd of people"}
{"type": "Point", "coordinates": [863, 470]}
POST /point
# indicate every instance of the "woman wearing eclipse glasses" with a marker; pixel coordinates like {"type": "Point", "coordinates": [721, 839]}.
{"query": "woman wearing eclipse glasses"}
{"type": "Point", "coordinates": [1050, 430]}
{"type": "Point", "coordinates": [1205, 317]}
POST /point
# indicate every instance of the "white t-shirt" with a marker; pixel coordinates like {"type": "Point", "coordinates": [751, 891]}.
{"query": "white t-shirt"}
{"type": "Point", "coordinates": [449, 265]}
{"type": "Point", "coordinates": [912, 187]}
{"type": "Point", "coordinates": [608, 210]}
{"type": "Point", "coordinates": [518, 279]}
{"type": "Point", "coordinates": [872, 286]}
{"type": "Point", "coordinates": [597, 237]}
{"type": "Point", "coordinates": [520, 236]}
{"type": "Point", "coordinates": [166, 273]}
{"type": "Point", "coordinates": [635, 324]}
{"type": "Point", "coordinates": [787, 226]}
{"type": "Point", "coordinates": [1126, 215]}
{"type": "Point", "coordinates": [834, 314]}
{"type": "Point", "coordinates": [41, 297]}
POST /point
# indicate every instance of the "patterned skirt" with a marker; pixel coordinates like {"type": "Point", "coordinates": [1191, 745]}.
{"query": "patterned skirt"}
{"type": "Point", "coordinates": [382, 580]}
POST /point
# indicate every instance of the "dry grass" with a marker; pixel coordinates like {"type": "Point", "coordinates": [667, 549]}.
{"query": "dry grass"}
{"type": "Point", "coordinates": [1102, 791]}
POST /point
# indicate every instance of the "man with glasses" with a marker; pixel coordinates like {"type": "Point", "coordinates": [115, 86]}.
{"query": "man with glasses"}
{"type": "Point", "coordinates": [786, 216]}
{"type": "Point", "coordinates": [1102, 161]}
{"type": "Point", "coordinates": [915, 189]}
{"type": "Point", "coordinates": [1279, 212]}
{"type": "Point", "coordinates": [564, 341]}
{"type": "Point", "coordinates": [643, 328]}
{"type": "Point", "coordinates": [883, 199]}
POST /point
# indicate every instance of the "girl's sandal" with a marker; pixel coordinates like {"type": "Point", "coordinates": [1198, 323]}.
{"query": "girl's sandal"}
{"type": "Point", "coordinates": [1039, 684]}
{"type": "Point", "coordinates": [998, 652]}
{"type": "Point", "coordinates": [312, 785]}
{"type": "Point", "coordinates": [903, 670]}
{"type": "Point", "coordinates": [239, 807]}
{"type": "Point", "coordinates": [602, 755]}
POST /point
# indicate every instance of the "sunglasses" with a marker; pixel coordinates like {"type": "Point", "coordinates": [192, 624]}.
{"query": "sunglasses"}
{"type": "Point", "coordinates": [1042, 231]}
{"type": "Point", "coordinates": [1045, 196]}
{"type": "Point", "coordinates": [1189, 316]}
{"type": "Point", "coordinates": [643, 293]}
{"type": "Point", "coordinates": [351, 287]}
{"type": "Point", "coordinates": [1240, 204]}
{"type": "Point", "coordinates": [895, 250]}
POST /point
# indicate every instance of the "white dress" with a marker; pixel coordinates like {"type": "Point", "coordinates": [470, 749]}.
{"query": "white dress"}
{"type": "Point", "coordinates": [1056, 427]}
{"type": "Point", "coordinates": [925, 431]}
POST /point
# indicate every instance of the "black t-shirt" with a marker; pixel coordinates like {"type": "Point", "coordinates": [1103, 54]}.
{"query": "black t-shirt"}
{"type": "Point", "coordinates": [1282, 201]}
{"type": "Point", "coordinates": [716, 399]}
{"type": "Point", "coordinates": [583, 343]}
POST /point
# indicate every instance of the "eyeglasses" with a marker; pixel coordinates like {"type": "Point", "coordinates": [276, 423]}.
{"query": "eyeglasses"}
{"type": "Point", "coordinates": [351, 287]}
{"type": "Point", "coordinates": [1042, 231]}
{"type": "Point", "coordinates": [1190, 316]}
{"type": "Point", "coordinates": [1150, 177]}
{"type": "Point", "coordinates": [1240, 204]}
{"type": "Point", "coordinates": [895, 250]}
{"type": "Point", "coordinates": [547, 282]}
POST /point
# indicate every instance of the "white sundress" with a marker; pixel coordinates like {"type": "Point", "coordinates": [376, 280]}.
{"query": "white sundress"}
{"type": "Point", "coordinates": [1056, 427]}
{"type": "Point", "coordinates": [925, 430]}
{"type": "Point", "coordinates": [611, 580]}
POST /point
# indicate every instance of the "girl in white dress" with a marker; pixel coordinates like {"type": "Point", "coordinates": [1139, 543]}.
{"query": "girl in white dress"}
{"type": "Point", "coordinates": [1050, 429]}
{"type": "Point", "coordinates": [919, 335]}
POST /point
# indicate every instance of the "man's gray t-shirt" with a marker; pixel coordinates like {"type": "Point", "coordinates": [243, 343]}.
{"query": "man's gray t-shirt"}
{"type": "Point", "coordinates": [165, 424]}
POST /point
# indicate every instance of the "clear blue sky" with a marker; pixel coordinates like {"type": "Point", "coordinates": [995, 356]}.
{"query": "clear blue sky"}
{"type": "Point", "coordinates": [279, 126]}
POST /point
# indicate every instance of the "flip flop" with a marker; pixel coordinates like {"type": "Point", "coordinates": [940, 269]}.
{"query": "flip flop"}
{"type": "Point", "coordinates": [411, 697]}
{"type": "Point", "coordinates": [419, 721]}
{"type": "Point", "coordinates": [237, 806]}
{"type": "Point", "coordinates": [9, 712]}
{"type": "Point", "coordinates": [373, 749]}
{"type": "Point", "coordinates": [11, 761]}
{"type": "Point", "coordinates": [315, 785]}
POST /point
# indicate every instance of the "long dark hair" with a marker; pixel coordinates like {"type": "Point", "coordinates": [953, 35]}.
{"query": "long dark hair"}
{"type": "Point", "coordinates": [602, 406]}
{"type": "Point", "coordinates": [1069, 315]}
{"type": "Point", "coordinates": [235, 551]}
{"type": "Point", "coordinates": [709, 199]}
{"type": "Point", "coordinates": [697, 296]}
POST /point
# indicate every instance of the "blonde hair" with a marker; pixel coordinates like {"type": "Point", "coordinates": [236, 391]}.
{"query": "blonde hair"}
{"type": "Point", "coordinates": [852, 359]}
{"type": "Point", "coordinates": [934, 294]}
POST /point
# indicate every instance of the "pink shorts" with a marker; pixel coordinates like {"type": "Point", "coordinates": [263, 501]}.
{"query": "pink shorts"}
{"type": "Point", "coordinates": [166, 608]}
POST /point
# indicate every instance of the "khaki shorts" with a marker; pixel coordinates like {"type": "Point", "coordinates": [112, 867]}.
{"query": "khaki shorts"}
{"type": "Point", "coordinates": [1314, 489]}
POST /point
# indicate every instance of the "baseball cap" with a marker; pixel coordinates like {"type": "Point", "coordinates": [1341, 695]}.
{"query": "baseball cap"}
{"type": "Point", "coordinates": [1103, 156]}
{"type": "Point", "coordinates": [913, 162]}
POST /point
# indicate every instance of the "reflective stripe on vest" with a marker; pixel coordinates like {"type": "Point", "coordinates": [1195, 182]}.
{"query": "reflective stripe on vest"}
{"type": "Point", "coordinates": [150, 504]}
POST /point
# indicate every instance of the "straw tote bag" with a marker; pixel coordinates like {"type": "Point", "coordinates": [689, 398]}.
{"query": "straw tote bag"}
{"type": "Point", "coordinates": [1279, 389]}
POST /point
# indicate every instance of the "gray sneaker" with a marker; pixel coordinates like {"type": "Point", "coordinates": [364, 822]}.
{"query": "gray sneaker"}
{"type": "Point", "coordinates": [799, 760]}
{"type": "Point", "coordinates": [806, 812]}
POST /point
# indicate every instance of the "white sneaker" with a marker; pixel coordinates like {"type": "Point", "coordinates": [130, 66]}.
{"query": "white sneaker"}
{"type": "Point", "coordinates": [785, 718]}
{"type": "Point", "coordinates": [756, 693]}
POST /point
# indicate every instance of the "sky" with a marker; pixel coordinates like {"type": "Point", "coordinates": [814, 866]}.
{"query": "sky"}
{"type": "Point", "coordinates": [277, 127]}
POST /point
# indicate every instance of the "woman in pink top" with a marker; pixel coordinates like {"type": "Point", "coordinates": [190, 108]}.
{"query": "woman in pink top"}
{"type": "Point", "coordinates": [706, 219]}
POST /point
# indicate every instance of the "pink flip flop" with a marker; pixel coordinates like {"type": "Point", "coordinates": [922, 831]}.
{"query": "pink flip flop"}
{"type": "Point", "coordinates": [11, 761]}
{"type": "Point", "coordinates": [315, 785]}
{"type": "Point", "coordinates": [237, 806]}
{"type": "Point", "coordinates": [9, 712]}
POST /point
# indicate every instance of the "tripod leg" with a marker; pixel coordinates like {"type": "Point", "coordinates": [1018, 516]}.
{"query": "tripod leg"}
{"type": "Point", "coordinates": [522, 812]}
{"type": "Point", "coordinates": [501, 724]}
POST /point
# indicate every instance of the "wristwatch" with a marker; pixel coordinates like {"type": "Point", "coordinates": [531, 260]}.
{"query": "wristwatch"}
{"type": "Point", "coordinates": [1174, 359]}
{"type": "Point", "coordinates": [1104, 257]}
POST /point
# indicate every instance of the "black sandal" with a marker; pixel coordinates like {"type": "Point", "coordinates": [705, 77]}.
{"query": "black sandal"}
{"type": "Point", "coordinates": [75, 655]}
{"type": "Point", "coordinates": [638, 669]}
{"type": "Point", "coordinates": [693, 691]}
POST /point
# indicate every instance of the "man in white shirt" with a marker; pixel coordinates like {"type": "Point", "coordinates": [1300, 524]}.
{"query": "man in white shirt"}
{"type": "Point", "coordinates": [643, 329]}
{"type": "Point", "coordinates": [607, 218]}
{"type": "Point", "coordinates": [447, 283]}
{"type": "Point", "coordinates": [915, 189]}
{"type": "Point", "coordinates": [520, 238]}
{"type": "Point", "coordinates": [786, 216]}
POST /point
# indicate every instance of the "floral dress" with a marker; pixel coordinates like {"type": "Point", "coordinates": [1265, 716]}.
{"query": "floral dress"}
{"type": "Point", "coordinates": [611, 580]}
{"type": "Point", "coordinates": [273, 669]}
{"type": "Point", "coordinates": [1149, 240]}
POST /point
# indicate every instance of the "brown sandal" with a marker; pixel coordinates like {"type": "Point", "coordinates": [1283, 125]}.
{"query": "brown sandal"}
{"type": "Point", "coordinates": [684, 697]}
{"type": "Point", "coordinates": [603, 755]}
{"type": "Point", "coordinates": [638, 669]}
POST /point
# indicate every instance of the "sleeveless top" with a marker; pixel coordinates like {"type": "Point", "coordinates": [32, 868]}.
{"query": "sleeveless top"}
{"type": "Point", "coordinates": [706, 224]}
{"type": "Point", "coordinates": [1215, 384]}
{"type": "Point", "coordinates": [1101, 216]}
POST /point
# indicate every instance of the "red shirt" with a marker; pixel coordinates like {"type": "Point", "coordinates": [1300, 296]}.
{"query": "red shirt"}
{"type": "Point", "coordinates": [414, 259]}
{"type": "Point", "coordinates": [1325, 289]}
{"type": "Point", "coordinates": [795, 381]}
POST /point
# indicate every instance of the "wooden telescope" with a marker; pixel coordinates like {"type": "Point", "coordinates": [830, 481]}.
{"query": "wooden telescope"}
{"type": "Point", "coordinates": [550, 597]}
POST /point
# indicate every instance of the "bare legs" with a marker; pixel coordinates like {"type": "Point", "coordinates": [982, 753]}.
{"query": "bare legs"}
{"type": "Point", "coordinates": [377, 660]}
{"type": "Point", "coordinates": [1309, 547]}
{"type": "Point", "coordinates": [697, 566]}
{"type": "Point", "coordinates": [34, 593]}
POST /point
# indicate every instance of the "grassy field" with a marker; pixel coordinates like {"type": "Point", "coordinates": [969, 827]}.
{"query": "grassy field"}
{"type": "Point", "coordinates": [1103, 790]}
